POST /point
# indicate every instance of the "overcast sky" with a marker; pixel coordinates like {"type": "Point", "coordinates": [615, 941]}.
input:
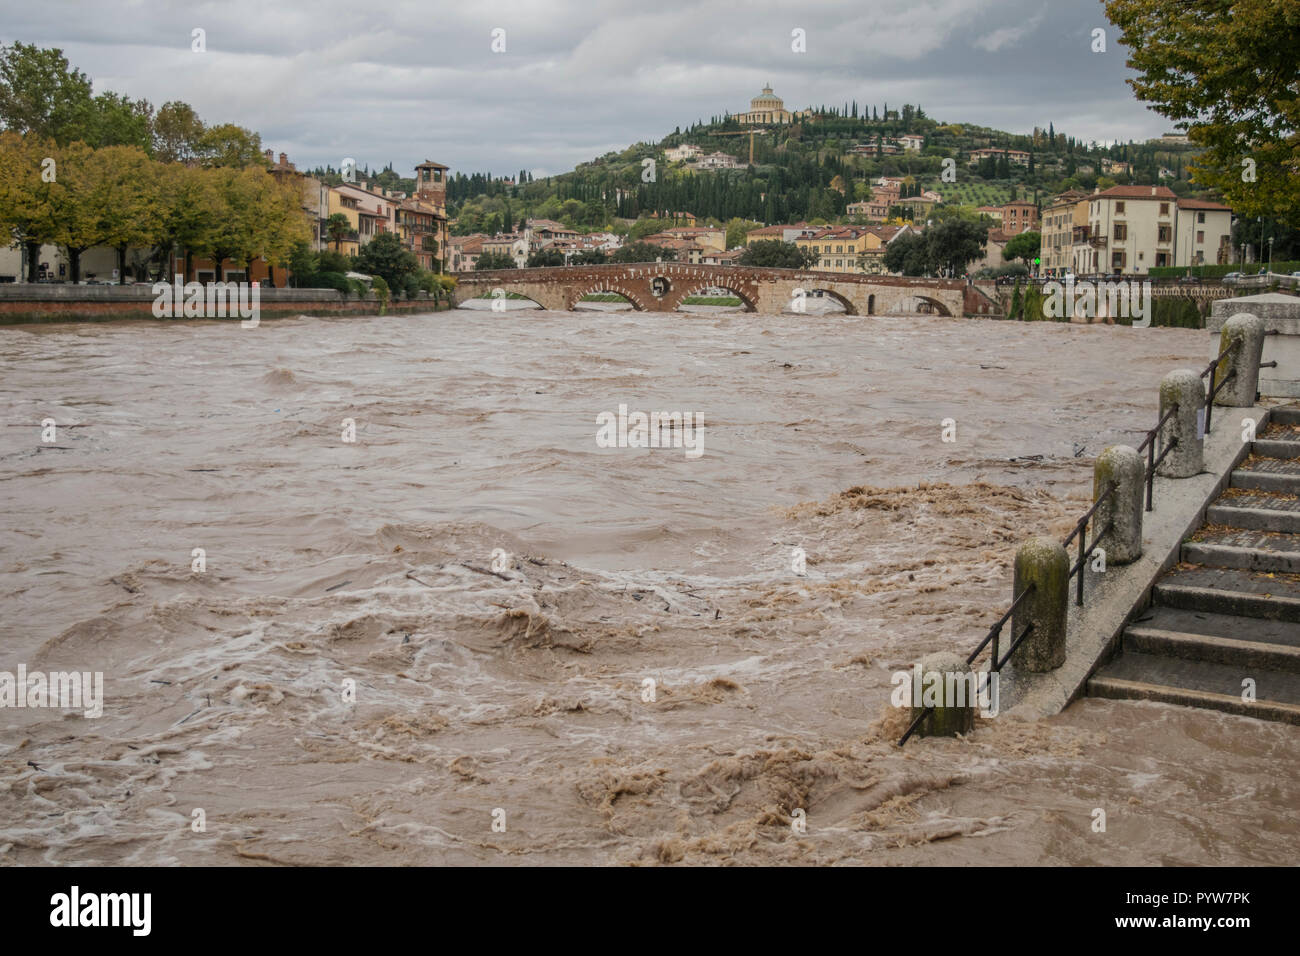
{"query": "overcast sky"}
{"type": "Point", "coordinates": [400, 82]}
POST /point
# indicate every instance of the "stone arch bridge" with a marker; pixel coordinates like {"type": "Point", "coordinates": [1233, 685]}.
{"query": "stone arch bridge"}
{"type": "Point", "coordinates": [663, 286]}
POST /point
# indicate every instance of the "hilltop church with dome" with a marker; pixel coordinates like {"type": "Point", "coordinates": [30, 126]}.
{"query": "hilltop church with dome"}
{"type": "Point", "coordinates": [766, 109]}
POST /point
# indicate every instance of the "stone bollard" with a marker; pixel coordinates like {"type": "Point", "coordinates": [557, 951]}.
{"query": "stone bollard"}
{"type": "Point", "coordinates": [1184, 388]}
{"type": "Point", "coordinates": [1120, 514]}
{"type": "Point", "coordinates": [1041, 563]}
{"type": "Point", "coordinates": [1248, 332]}
{"type": "Point", "coordinates": [944, 680]}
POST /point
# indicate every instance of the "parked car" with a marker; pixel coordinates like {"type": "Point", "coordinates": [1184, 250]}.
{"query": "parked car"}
{"type": "Point", "coordinates": [1232, 278]}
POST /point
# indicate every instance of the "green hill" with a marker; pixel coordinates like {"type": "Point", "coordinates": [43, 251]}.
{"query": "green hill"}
{"type": "Point", "coordinates": [806, 170]}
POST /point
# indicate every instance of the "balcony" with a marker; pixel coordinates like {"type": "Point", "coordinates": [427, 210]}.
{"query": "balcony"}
{"type": "Point", "coordinates": [1097, 242]}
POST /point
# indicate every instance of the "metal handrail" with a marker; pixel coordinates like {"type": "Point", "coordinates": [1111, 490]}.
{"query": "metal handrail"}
{"type": "Point", "coordinates": [1214, 389]}
{"type": "Point", "coordinates": [994, 664]}
{"type": "Point", "coordinates": [997, 662]}
{"type": "Point", "coordinates": [1151, 435]}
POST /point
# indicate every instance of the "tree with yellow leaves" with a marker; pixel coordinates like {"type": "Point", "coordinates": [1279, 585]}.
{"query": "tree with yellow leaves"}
{"type": "Point", "coordinates": [30, 194]}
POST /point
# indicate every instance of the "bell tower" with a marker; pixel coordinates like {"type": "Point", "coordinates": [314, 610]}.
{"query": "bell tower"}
{"type": "Point", "coordinates": [431, 184]}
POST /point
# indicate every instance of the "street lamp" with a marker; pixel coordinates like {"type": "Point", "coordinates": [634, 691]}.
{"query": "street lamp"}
{"type": "Point", "coordinates": [1270, 254]}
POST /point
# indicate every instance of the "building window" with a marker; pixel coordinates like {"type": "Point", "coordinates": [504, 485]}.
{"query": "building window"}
{"type": "Point", "coordinates": [1200, 235]}
{"type": "Point", "coordinates": [1164, 209]}
{"type": "Point", "coordinates": [1200, 217]}
{"type": "Point", "coordinates": [1163, 234]}
{"type": "Point", "coordinates": [1119, 207]}
{"type": "Point", "coordinates": [1121, 231]}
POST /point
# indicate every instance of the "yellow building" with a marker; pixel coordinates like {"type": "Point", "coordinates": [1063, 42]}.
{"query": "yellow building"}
{"type": "Point", "coordinates": [349, 206]}
{"type": "Point", "coordinates": [1064, 214]}
{"type": "Point", "coordinates": [855, 249]}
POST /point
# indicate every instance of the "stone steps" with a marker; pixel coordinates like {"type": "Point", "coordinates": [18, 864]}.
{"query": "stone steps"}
{"type": "Point", "coordinates": [1230, 611]}
{"type": "Point", "coordinates": [1245, 549]}
{"type": "Point", "coordinates": [1268, 474]}
{"type": "Point", "coordinates": [1256, 510]}
{"type": "Point", "coordinates": [1231, 591]}
{"type": "Point", "coordinates": [1119, 689]}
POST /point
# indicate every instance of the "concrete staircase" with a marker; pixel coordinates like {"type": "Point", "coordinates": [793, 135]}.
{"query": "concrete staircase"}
{"type": "Point", "coordinates": [1230, 610]}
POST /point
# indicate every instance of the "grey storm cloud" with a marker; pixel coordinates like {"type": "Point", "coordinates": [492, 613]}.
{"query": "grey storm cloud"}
{"type": "Point", "coordinates": [404, 81]}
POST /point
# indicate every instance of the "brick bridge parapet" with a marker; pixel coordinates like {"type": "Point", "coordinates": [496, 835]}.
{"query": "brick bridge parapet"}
{"type": "Point", "coordinates": [663, 286]}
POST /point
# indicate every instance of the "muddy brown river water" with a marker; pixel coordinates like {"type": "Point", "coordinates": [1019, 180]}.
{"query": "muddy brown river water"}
{"type": "Point", "coordinates": [449, 623]}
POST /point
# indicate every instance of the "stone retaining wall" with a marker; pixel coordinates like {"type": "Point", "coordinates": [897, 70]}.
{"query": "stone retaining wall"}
{"type": "Point", "coordinates": [30, 302]}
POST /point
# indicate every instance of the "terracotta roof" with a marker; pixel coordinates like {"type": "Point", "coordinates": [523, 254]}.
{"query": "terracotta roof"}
{"type": "Point", "coordinates": [1137, 192]}
{"type": "Point", "coordinates": [1070, 196]}
{"type": "Point", "coordinates": [884, 232]}
{"type": "Point", "coordinates": [1203, 204]}
{"type": "Point", "coordinates": [417, 205]}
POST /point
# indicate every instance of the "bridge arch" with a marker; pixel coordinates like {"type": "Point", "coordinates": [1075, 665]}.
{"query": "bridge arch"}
{"type": "Point", "coordinates": [617, 288]}
{"type": "Point", "coordinates": [925, 305]}
{"type": "Point", "coordinates": [811, 288]}
{"type": "Point", "coordinates": [516, 301]}
{"type": "Point", "coordinates": [697, 288]}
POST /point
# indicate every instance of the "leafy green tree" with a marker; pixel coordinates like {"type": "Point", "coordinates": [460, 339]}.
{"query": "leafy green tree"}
{"type": "Point", "coordinates": [1024, 247]}
{"type": "Point", "coordinates": [644, 227]}
{"type": "Point", "coordinates": [331, 261]}
{"type": "Point", "coordinates": [119, 121]}
{"type": "Point", "coordinates": [385, 256]}
{"type": "Point", "coordinates": [953, 243]}
{"type": "Point", "coordinates": [775, 254]}
{"type": "Point", "coordinates": [40, 93]}
{"type": "Point", "coordinates": [909, 255]}
{"type": "Point", "coordinates": [1229, 72]}
{"type": "Point", "coordinates": [494, 260]}
{"type": "Point", "coordinates": [589, 257]}
{"type": "Point", "coordinates": [177, 132]}
{"type": "Point", "coordinates": [304, 263]}
{"type": "Point", "coordinates": [544, 257]}
{"type": "Point", "coordinates": [643, 252]}
{"type": "Point", "coordinates": [738, 229]}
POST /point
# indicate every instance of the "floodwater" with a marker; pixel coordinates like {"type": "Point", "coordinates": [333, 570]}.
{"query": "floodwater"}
{"type": "Point", "coordinates": [434, 643]}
